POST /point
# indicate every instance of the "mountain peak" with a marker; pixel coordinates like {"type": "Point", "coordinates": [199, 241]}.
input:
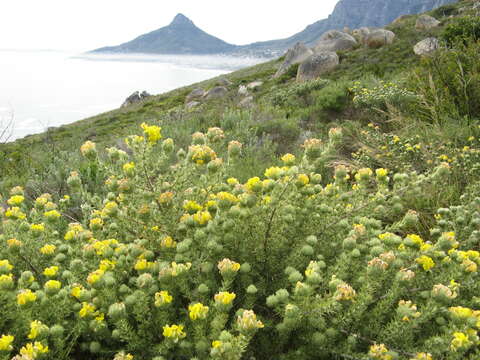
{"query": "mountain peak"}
{"type": "Point", "coordinates": [181, 19]}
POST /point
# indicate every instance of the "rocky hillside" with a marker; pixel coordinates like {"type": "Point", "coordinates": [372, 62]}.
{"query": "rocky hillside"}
{"type": "Point", "coordinates": [352, 14]}
{"type": "Point", "coordinates": [180, 37]}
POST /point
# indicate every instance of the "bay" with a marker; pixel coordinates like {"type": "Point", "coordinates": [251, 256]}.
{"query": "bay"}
{"type": "Point", "coordinates": [42, 89]}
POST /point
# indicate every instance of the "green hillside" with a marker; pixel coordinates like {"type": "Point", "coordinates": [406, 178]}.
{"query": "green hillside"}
{"type": "Point", "coordinates": [336, 218]}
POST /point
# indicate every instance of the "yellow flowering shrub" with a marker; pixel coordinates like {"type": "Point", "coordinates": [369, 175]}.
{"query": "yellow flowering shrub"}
{"type": "Point", "coordinates": [180, 257]}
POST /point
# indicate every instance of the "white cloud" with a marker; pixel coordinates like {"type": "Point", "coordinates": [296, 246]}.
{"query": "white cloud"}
{"type": "Point", "coordinates": [88, 24]}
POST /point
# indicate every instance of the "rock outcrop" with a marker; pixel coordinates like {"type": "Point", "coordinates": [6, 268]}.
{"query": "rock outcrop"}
{"type": "Point", "coordinates": [317, 65]}
{"type": "Point", "coordinates": [335, 40]}
{"type": "Point", "coordinates": [216, 93]}
{"type": "Point", "coordinates": [426, 46]}
{"type": "Point", "coordinates": [135, 98]}
{"type": "Point", "coordinates": [246, 103]}
{"type": "Point", "coordinates": [361, 34]}
{"type": "Point", "coordinates": [378, 38]}
{"type": "Point", "coordinates": [426, 22]}
{"type": "Point", "coordinates": [254, 85]}
{"type": "Point", "coordinates": [295, 55]}
{"type": "Point", "coordinates": [196, 94]}
{"type": "Point", "coordinates": [242, 90]}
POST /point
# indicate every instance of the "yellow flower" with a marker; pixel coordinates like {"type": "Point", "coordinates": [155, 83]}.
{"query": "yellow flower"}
{"type": "Point", "coordinates": [95, 276]}
{"type": "Point", "coordinates": [224, 298]}
{"type": "Point", "coordinates": [380, 351]}
{"type": "Point", "coordinates": [106, 264]}
{"type": "Point", "coordinates": [345, 292]}
{"type": "Point", "coordinates": [422, 356]}
{"type": "Point", "coordinates": [227, 265]}
{"type": "Point", "coordinates": [461, 312]}
{"type": "Point", "coordinates": [76, 291]}
{"type": "Point", "coordinates": [26, 296]}
{"type": "Point", "coordinates": [14, 243]}
{"type": "Point", "coordinates": [52, 215]}
{"type": "Point", "coordinates": [152, 132]}
{"type": "Point", "coordinates": [48, 249]}
{"type": "Point", "coordinates": [426, 262]}
{"type": "Point", "coordinates": [88, 149]}
{"type": "Point", "coordinates": [37, 228]}
{"type": "Point", "coordinates": [198, 311]}
{"type": "Point", "coordinates": [303, 179]}
{"type": "Point", "coordinates": [254, 184]}
{"type": "Point", "coordinates": [232, 181]}
{"type": "Point", "coordinates": [15, 200]}
{"type": "Point", "coordinates": [6, 342]}
{"type": "Point", "coordinates": [129, 168]}
{"type": "Point", "coordinates": [216, 344]}
{"type": "Point", "coordinates": [36, 328]}
{"type": "Point", "coordinates": [17, 190]}
{"type": "Point", "coordinates": [74, 230]}
{"type": "Point", "coordinates": [381, 173]}
{"type": "Point", "coordinates": [5, 266]}
{"type": "Point", "coordinates": [15, 213]}
{"type": "Point", "coordinates": [168, 242]}
{"type": "Point", "coordinates": [123, 356]}
{"type": "Point", "coordinates": [31, 351]}
{"type": "Point", "coordinates": [162, 298]}
{"type": "Point", "coordinates": [6, 281]}
{"type": "Point", "coordinates": [87, 310]}
{"type": "Point", "coordinates": [50, 271]}
{"type": "Point", "coordinates": [202, 217]}
{"type": "Point", "coordinates": [142, 265]}
{"type": "Point", "coordinates": [469, 266]}
{"type": "Point", "coordinates": [274, 172]}
{"type": "Point", "coordinates": [460, 340]}
{"type": "Point", "coordinates": [53, 285]}
{"type": "Point", "coordinates": [288, 159]}
{"type": "Point", "coordinates": [174, 332]}
{"type": "Point", "coordinates": [192, 206]}
{"type": "Point", "coordinates": [201, 154]}
{"type": "Point", "coordinates": [248, 321]}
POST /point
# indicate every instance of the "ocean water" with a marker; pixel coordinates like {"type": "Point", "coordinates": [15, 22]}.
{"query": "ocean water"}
{"type": "Point", "coordinates": [42, 89]}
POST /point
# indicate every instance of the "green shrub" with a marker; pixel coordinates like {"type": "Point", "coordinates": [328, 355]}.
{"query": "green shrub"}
{"type": "Point", "coordinates": [462, 30]}
{"type": "Point", "coordinates": [449, 84]}
{"type": "Point", "coordinates": [334, 97]}
{"type": "Point", "coordinates": [281, 130]}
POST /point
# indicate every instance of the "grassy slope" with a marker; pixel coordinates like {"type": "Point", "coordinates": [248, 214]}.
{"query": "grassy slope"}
{"type": "Point", "coordinates": [34, 154]}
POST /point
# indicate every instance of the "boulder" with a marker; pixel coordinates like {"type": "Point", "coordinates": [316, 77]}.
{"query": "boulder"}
{"type": "Point", "coordinates": [246, 103]}
{"type": "Point", "coordinates": [426, 22]}
{"type": "Point", "coordinates": [223, 82]}
{"type": "Point", "coordinates": [316, 65]}
{"type": "Point", "coordinates": [296, 55]}
{"type": "Point", "coordinates": [216, 93]}
{"type": "Point", "coordinates": [255, 84]}
{"type": "Point", "coordinates": [361, 34]}
{"type": "Point", "coordinates": [426, 46]}
{"type": "Point", "coordinates": [378, 38]}
{"type": "Point", "coordinates": [197, 93]}
{"type": "Point", "coordinates": [192, 104]}
{"type": "Point", "coordinates": [335, 40]}
{"type": "Point", "coordinates": [135, 98]}
{"type": "Point", "coordinates": [242, 90]}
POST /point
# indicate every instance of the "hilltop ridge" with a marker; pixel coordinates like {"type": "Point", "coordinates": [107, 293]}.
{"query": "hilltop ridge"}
{"type": "Point", "coordinates": [181, 36]}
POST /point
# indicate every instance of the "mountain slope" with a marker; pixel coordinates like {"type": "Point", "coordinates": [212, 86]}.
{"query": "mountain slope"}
{"type": "Point", "coordinates": [352, 14]}
{"type": "Point", "coordinates": [180, 37]}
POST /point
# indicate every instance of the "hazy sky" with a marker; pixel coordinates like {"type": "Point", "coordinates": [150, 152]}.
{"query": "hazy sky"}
{"type": "Point", "coordinates": [88, 24]}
